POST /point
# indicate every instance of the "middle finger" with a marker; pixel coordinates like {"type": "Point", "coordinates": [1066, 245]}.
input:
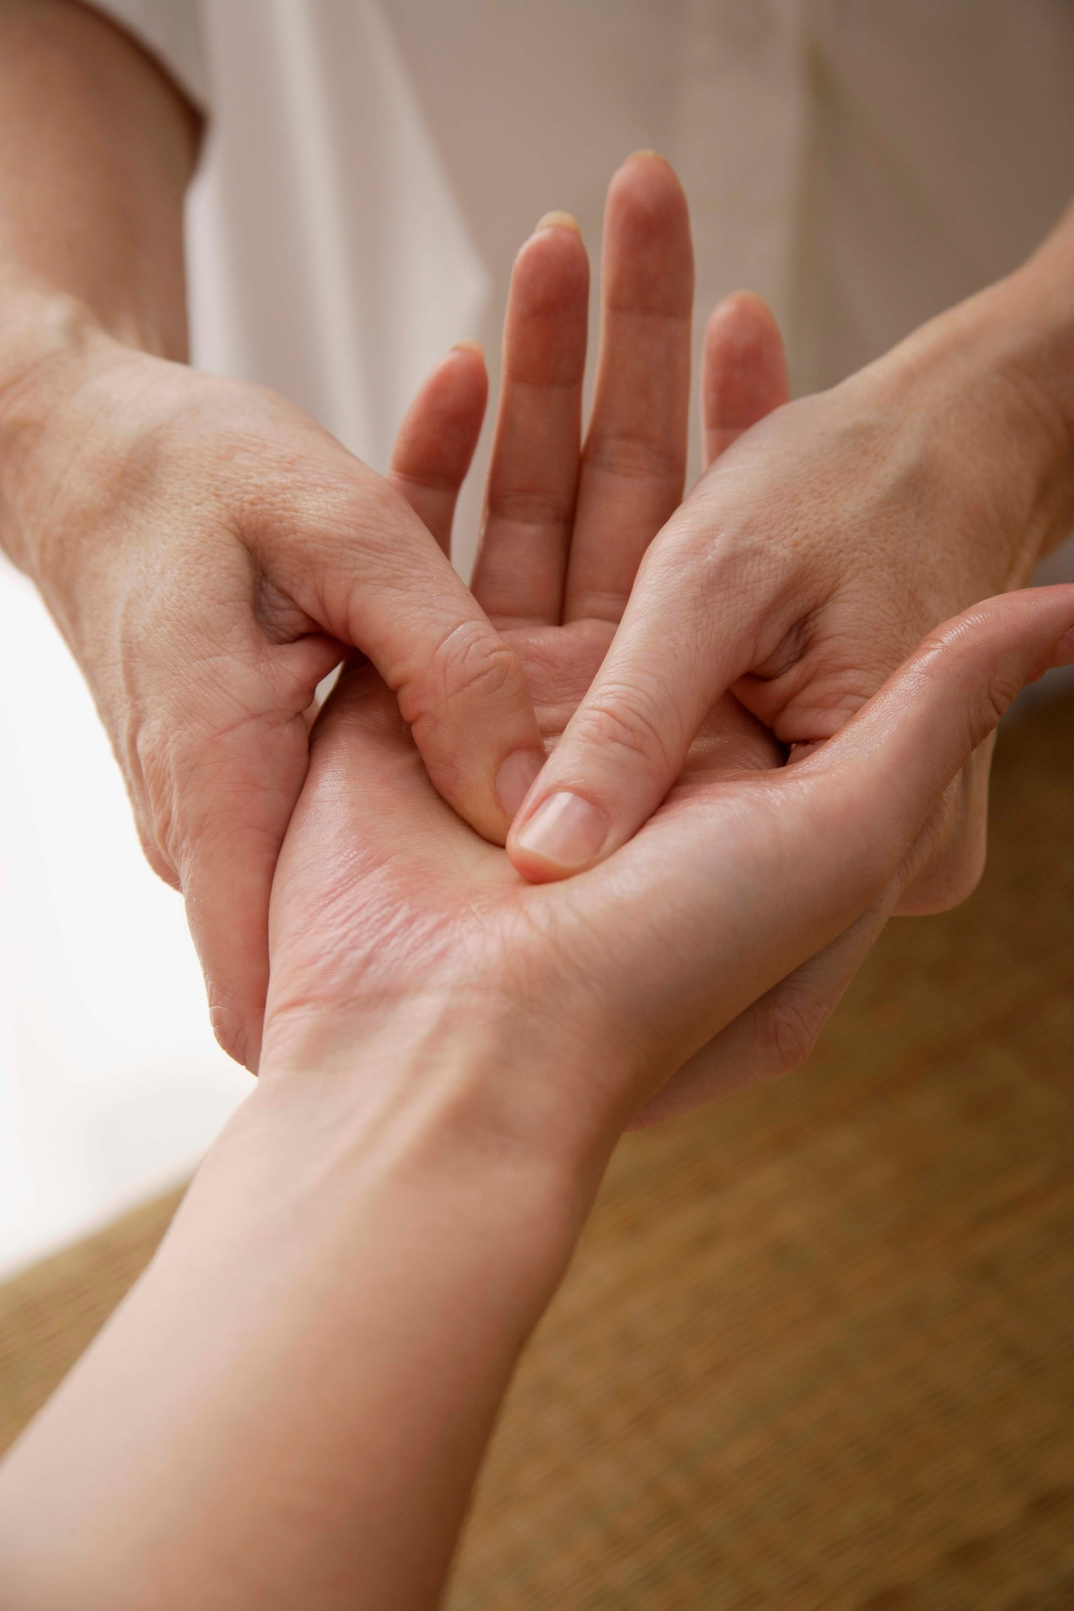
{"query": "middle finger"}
{"type": "Point", "coordinates": [634, 461]}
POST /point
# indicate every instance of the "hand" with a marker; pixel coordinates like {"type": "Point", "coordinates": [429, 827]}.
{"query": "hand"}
{"type": "Point", "coordinates": [385, 903]}
{"type": "Point", "coordinates": [210, 554]}
{"type": "Point", "coordinates": [813, 556]}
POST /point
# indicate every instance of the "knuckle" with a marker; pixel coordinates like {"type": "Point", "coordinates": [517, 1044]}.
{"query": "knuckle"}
{"type": "Point", "coordinates": [1001, 689]}
{"type": "Point", "coordinates": [633, 455]}
{"type": "Point", "coordinates": [949, 882]}
{"type": "Point", "coordinates": [627, 724]}
{"type": "Point", "coordinates": [157, 772]}
{"type": "Point", "coordinates": [471, 666]}
{"type": "Point", "coordinates": [530, 506]}
{"type": "Point", "coordinates": [788, 1030]}
{"type": "Point", "coordinates": [160, 863]}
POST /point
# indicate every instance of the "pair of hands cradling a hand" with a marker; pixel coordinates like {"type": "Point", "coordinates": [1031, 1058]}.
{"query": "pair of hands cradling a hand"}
{"type": "Point", "coordinates": [707, 949]}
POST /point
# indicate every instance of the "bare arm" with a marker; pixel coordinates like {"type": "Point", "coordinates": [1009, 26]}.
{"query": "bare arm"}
{"type": "Point", "coordinates": [97, 147]}
{"type": "Point", "coordinates": [292, 1408]}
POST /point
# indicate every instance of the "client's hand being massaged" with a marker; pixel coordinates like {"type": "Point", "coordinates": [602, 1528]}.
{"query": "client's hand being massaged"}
{"type": "Point", "coordinates": [723, 934]}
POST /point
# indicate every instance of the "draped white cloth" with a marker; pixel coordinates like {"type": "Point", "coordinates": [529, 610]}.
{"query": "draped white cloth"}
{"type": "Point", "coordinates": [370, 170]}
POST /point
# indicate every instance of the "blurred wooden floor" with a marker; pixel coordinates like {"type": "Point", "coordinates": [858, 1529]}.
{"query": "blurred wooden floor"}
{"type": "Point", "coordinates": [817, 1350]}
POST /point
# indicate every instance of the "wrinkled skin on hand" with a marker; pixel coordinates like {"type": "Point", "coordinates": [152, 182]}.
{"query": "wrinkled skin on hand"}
{"type": "Point", "coordinates": [210, 553]}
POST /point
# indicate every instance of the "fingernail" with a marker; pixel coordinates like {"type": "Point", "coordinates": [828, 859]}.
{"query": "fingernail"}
{"type": "Point", "coordinates": [471, 345]}
{"type": "Point", "coordinates": [565, 830]}
{"type": "Point", "coordinates": [558, 221]}
{"type": "Point", "coordinates": [647, 151]}
{"type": "Point", "coordinates": [515, 777]}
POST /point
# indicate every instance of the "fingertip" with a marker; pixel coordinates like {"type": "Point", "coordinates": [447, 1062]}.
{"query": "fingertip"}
{"type": "Point", "coordinates": [646, 189]}
{"type": "Point", "coordinates": [439, 434]}
{"type": "Point", "coordinates": [744, 369]}
{"type": "Point", "coordinates": [551, 264]}
{"type": "Point", "coordinates": [743, 328]}
{"type": "Point", "coordinates": [548, 309]}
{"type": "Point", "coordinates": [515, 777]}
{"type": "Point", "coordinates": [561, 835]}
{"type": "Point", "coordinates": [746, 308]}
{"type": "Point", "coordinates": [558, 220]}
{"type": "Point", "coordinates": [652, 167]}
{"type": "Point", "coordinates": [648, 251]}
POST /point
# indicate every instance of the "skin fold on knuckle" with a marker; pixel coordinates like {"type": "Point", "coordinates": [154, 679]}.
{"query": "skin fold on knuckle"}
{"type": "Point", "coordinates": [634, 456]}
{"type": "Point", "coordinates": [472, 671]}
{"type": "Point", "coordinates": [786, 1030]}
{"type": "Point", "coordinates": [624, 726]}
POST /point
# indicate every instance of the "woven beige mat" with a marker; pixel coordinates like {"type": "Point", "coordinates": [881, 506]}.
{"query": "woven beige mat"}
{"type": "Point", "coordinates": [816, 1352]}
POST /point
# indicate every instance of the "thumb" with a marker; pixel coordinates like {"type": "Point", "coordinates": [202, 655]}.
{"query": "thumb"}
{"type": "Point", "coordinates": [743, 371]}
{"type": "Point", "coordinates": [371, 574]}
{"type": "Point", "coordinates": [893, 760]}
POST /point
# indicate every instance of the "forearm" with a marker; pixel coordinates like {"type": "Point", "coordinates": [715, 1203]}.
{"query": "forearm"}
{"type": "Point", "coordinates": [994, 379]}
{"type": "Point", "coordinates": [96, 149]}
{"type": "Point", "coordinates": [295, 1400]}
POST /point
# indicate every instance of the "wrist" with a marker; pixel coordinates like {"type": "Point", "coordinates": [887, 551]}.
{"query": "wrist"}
{"type": "Point", "coordinates": [433, 1123]}
{"type": "Point", "coordinates": [46, 348]}
{"type": "Point", "coordinates": [454, 1073]}
{"type": "Point", "coordinates": [992, 383]}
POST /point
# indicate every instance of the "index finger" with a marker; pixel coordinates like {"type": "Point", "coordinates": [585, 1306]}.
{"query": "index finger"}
{"type": "Point", "coordinates": [634, 459]}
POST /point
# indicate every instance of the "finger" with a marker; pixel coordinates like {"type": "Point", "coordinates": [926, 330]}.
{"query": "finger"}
{"type": "Point", "coordinates": [634, 459]}
{"type": "Point", "coordinates": [435, 443]}
{"type": "Point", "coordinates": [693, 625]}
{"type": "Point", "coordinates": [237, 799]}
{"type": "Point", "coordinates": [952, 864]}
{"type": "Point", "coordinates": [743, 371]}
{"type": "Point", "coordinates": [876, 795]}
{"type": "Point", "coordinates": [357, 560]}
{"type": "Point", "coordinates": [529, 504]}
{"type": "Point", "coordinates": [777, 1033]}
